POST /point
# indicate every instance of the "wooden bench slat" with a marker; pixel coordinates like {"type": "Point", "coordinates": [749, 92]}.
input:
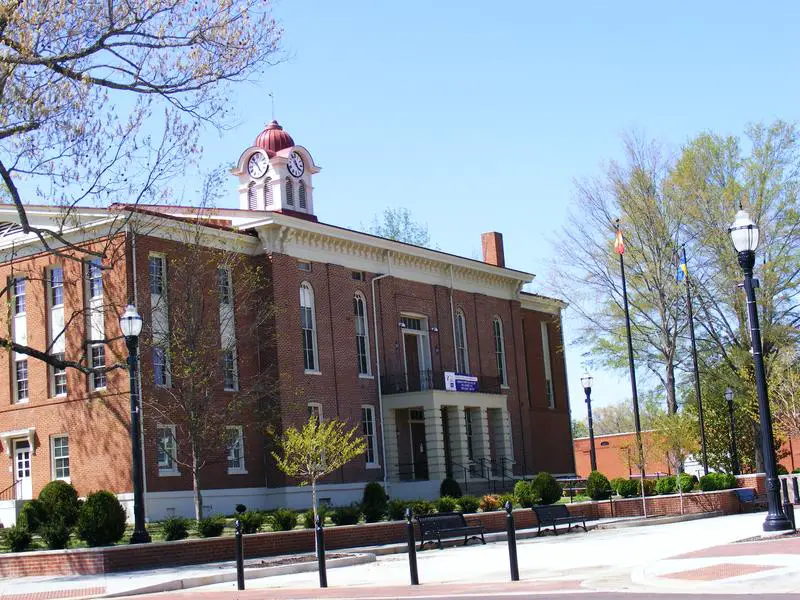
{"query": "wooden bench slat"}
{"type": "Point", "coordinates": [433, 527]}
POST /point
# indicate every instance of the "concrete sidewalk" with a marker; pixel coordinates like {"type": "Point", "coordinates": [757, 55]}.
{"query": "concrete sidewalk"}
{"type": "Point", "coordinates": [692, 555]}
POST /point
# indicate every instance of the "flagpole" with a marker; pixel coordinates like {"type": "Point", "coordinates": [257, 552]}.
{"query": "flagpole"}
{"type": "Point", "coordinates": [636, 423]}
{"type": "Point", "coordinates": [694, 361]}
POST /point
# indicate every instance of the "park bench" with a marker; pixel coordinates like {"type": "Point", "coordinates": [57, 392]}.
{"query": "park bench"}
{"type": "Point", "coordinates": [433, 528]}
{"type": "Point", "coordinates": [556, 514]}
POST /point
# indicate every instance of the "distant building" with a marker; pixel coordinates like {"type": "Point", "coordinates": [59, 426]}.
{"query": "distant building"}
{"type": "Point", "coordinates": [616, 456]}
{"type": "Point", "coordinates": [368, 329]}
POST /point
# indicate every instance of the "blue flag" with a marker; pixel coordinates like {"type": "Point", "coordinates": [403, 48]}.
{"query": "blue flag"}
{"type": "Point", "coordinates": [682, 270]}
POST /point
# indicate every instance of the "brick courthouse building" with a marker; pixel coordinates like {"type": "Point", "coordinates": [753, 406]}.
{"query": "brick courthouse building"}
{"type": "Point", "coordinates": [367, 329]}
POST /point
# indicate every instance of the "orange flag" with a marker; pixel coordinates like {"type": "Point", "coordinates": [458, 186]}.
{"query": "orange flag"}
{"type": "Point", "coordinates": [619, 245]}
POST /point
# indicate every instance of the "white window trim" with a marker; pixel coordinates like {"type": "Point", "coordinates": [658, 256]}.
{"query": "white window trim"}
{"type": "Point", "coordinates": [318, 406]}
{"type": "Point", "coordinates": [52, 383]}
{"type": "Point", "coordinates": [461, 320]}
{"type": "Point", "coordinates": [17, 399]}
{"type": "Point", "coordinates": [235, 387]}
{"type": "Point", "coordinates": [14, 295]}
{"type": "Point", "coordinates": [167, 375]}
{"type": "Point", "coordinates": [548, 373]}
{"type": "Point", "coordinates": [173, 470]}
{"type": "Point", "coordinates": [242, 470]}
{"type": "Point", "coordinates": [92, 386]}
{"type": "Point", "coordinates": [53, 439]}
{"type": "Point", "coordinates": [368, 374]}
{"type": "Point", "coordinates": [314, 348]}
{"type": "Point", "coordinates": [504, 381]}
{"type": "Point", "coordinates": [374, 464]}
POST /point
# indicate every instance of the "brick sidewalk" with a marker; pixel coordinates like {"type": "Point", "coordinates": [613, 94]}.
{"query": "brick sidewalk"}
{"type": "Point", "coordinates": [788, 545]}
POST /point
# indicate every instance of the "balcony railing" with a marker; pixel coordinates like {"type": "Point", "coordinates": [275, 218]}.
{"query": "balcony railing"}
{"type": "Point", "coordinates": [402, 382]}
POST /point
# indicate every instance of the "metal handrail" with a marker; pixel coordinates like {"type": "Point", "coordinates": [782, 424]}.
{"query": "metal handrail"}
{"type": "Point", "coordinates": [400, 382]}
{"type": "Point", "coordinates": [9, 491]}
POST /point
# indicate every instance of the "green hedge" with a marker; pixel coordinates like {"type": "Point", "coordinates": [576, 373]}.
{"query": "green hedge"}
{"type": "Point", "coordinates": [598, 487]}
{"type": "Point", "coordinates": [717, 481]}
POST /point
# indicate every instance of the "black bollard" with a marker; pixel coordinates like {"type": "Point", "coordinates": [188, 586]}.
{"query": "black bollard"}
{"type": "Point", "coordinates": [323, 574]}
{"type": "Point", "coordinates": [795, 490]}
{"type": "Point", "coordinates": [788, 508]}
{"type": "Point", "coordinates": [239, 552]}
{"type": "Point", "coordinates": [412, 549]}
{"type": "Point", "coordinates": [512, 542]}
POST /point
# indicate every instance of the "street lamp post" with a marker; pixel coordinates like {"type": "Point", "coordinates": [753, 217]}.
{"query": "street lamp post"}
{"type": "Point", "coordinates": [744, 234]}
{"type": "Point", "coordinates": [130, 323]}
{"type": "Point", "coordinates": [586, 380]}
{"type": "Point", "coordinates": [734, 455]}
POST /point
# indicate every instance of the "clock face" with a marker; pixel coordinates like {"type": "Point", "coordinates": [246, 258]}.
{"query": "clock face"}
{"type": "Point", "coordinates": [296, 166]}
{"type": "Point", "coordinates": [257, 165]}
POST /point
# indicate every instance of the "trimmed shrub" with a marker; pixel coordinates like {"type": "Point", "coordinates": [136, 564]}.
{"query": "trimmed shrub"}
{"type": "Point", "coordinates": [627, 488]}
{"type": "Point", "coordinates": [102, 519]}
{"type": "Point", "coordinates": [396, 509]}
{"type": "Point", "coordinates": [308, 516]}
{"type": "Point", "coordinates": [717, 481]}
{"type": "Point", "coordinates": [423, 507]}
{"type": "Point", "coordinates": [507, 497]}
{"type": "Point", "coordinates": [374, 503]}
{"type": "Point", "coordinates": [446, 504]}
{"type": "Point", "coordinates": [615, 483]}
{"type": "Point", "coordinates": [665, 485]}
{"type": "Point", "coordinates": [32, 516]}
{"type": "Point", "coordinates": [60, 500]}
{"type": "Point", "coordinates": [450, 488]}
{"type": "Point", "coordinates": [547, 488]}
{"type": "Point", "coordinates": [598, 487]}
{"type": "Point", "coordinates": [797, 470]}
{"type": "Point", "coordinates": [251, 521]}
{"type": "Point", "coordinates": [781, 470]}
{"type": "Point", "coordinates": [523, 490]}
{"type": "Point", "coordinates": [175, 528]}
{"type": "Point", "coordinates": [687, 482]}
{"type": "Point", "coordinates": [283, 519]}
{"type": "Point", "coordinates": [211, 526]}
{"type": "Point", "coordinates": [469, 504]}
{"type": "Point", "coordinates": [241, 509]}
{"type": "Point", "coordinates": [649, 487]}
{"type": "Point", "coordinates": [490, 502]}
{"type": "Point", "coordinates": [55, 535]}
{"type": "Point", "coordinates": [18, 538]}
{"type": "Point", "coordinates": [346, 515]}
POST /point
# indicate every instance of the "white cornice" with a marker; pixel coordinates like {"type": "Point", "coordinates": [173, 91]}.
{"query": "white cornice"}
{"type": "Point", "coordinates": [552, 306]}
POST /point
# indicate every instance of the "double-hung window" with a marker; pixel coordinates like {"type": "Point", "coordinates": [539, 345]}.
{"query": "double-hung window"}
{"type": "Point", "coordinates": [500, 350]}
{"type": "Point", "coordinates": [362, 336]}
{"type": "Point", "coordinates": [160, 371]}
{"type": "Point", "coordinates": [60, 460]}
{"type": "Point", "coordinates": [230, 371]}
{"type": "Point", "coordinates": [97, 349]}
{"type": "Point", "coordinates": [308, 325]}
{"type": "Point", "coordinates": [235, 449]}
{"type": "Point", "coordinates": [462, 357]}
{"type": "Point", "coordinates": [21, 378]}
{"type": "Point", "coordinates": [18, 293]}
{"type": "Point", "coordinates": [157, 267]}
{"type": "Point", "coordinates": [368, 429]}
{"type": "Point", "coordinates": [167, 449]}
{"type": "Point", "coordinates": [548, 375]}
{"type": "Point", "coordinates": [20, 335]}
{"type": "Point", "coordinates": [59, 378]}
{"type": "Point", "coordinates": [224, 284]}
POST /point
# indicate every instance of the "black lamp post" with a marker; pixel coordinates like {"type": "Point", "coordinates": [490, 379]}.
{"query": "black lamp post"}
{"type": "Point", "coordinates": [744, 234]}
{"type": "Point", "coordinates": [734, 455]}
{"type": "Point", "coordinates": [586, 380]}
{"type": "Point", "coordinates": [130, 323]}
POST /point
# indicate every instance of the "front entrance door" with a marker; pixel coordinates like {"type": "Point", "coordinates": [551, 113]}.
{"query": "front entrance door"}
{"type": "Point", "coordinates": [418, 454]}
{"type": "Point", "coordinates": [412, 362]}
{"type": "Point", "coordinates": [22, 470]}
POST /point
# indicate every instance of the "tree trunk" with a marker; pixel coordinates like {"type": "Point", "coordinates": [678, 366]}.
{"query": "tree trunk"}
{"type": "Point", "coordinates": [672, 403]}
{"type": "Point", "coordinates": [198, 497]}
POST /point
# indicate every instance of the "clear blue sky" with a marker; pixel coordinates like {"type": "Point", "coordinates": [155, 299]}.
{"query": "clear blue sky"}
{"type": "Point", "coordinates": [479, 116]}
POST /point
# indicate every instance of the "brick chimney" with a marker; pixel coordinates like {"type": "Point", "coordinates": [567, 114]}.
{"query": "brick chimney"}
{"type": "Point", "coordinates": [492, 244]}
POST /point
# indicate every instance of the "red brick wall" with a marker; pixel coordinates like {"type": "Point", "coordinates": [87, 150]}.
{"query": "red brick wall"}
{"type": "Point", "coordinates": [96, 422]}
{"type": "Point", "coordinates": [611, 452]}
{"type": "Point", "coordinates": [125, 558]}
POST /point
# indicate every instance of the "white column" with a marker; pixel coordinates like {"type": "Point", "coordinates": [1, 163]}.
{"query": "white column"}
{"type": "Point", "coordinates": [480, 436]}
{"type": "Point", "coordinates": [457, 429]}
{"type": "Point", "coordinates": [434, 444]}
{"type": "Point", "coordinates": [390, 439]}
{"type": "Point", "coordinates": [500, 427]}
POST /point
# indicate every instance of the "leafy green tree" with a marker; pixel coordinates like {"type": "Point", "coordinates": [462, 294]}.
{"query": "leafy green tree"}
{"type": "Point", "coordinates": [676, 436]}
{"type": "Point", "coordinates": [316, 450]}
{"type": "Point", "coordinates": [579, 428]}
{"type": "Point", "coordinates": [618, 417]}
{"type": "Point", "coordinates": [636, 192]}
{"type": "Point", "coordinates": [398, 224]}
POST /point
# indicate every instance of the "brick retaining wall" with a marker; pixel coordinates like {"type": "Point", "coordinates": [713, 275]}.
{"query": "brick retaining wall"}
{"type": "Point", "coordinates": [92, 561]}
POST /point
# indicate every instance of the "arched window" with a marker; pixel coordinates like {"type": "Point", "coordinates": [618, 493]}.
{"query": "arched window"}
{"type": "Point", "coordinates": [252, 203]}
{"type": "Point", "coordinates": [462, 356]}
{"type": "Point", "coordinates": [308, 325]}
{"type": "Point", "coordinates": [267, 192]}
{"type": "Point", "coordinates": [301, 195]}
{"type": "Point", "coordinates": [289, 192]}
{"type": "Point", "coordinates": [362, 337]}
{"type": "Point", "coordinates": [500, 350]}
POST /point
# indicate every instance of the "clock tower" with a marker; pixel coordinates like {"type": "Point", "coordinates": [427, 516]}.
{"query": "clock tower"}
{"type": "Point", "coordinates": [275, 175]}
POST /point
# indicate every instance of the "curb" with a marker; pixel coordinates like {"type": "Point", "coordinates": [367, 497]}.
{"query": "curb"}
{"type": "Point", "coordinates": [203, 580]}
{"type": "Point", "coordinates": [638, 522]}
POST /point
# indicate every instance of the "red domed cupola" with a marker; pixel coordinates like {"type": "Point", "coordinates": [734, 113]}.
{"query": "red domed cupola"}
{"type": "Point", "coordinates": [274, 139]}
